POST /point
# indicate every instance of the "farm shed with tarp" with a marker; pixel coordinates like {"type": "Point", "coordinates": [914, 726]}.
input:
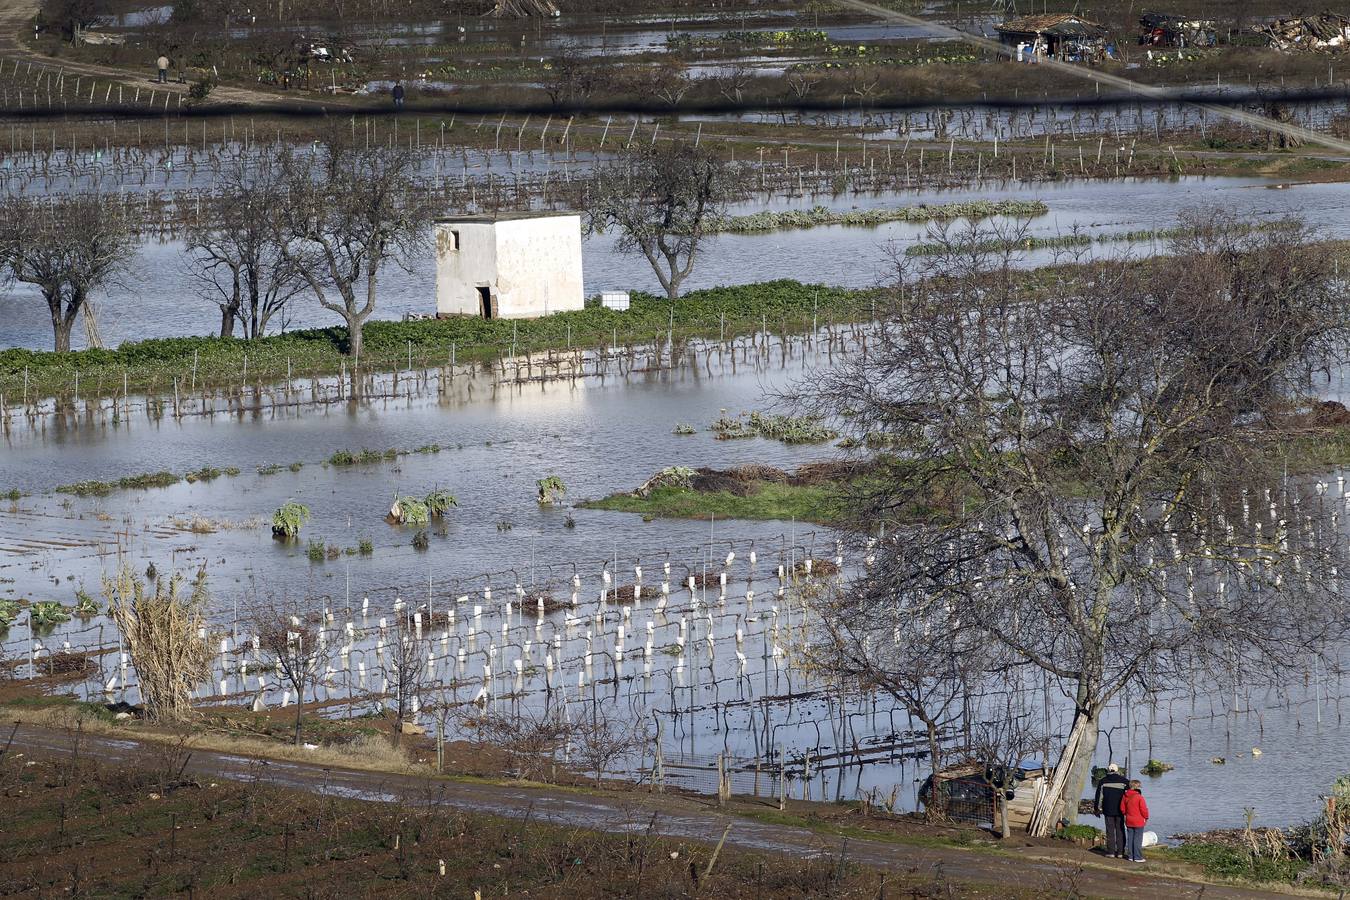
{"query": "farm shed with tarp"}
{"type": "Point", "coordinates": [1058, 35]}
{"type": "Point", "coordinates": [1324, 31]}
{"type": "Point", "coordinates": [1165, 30]}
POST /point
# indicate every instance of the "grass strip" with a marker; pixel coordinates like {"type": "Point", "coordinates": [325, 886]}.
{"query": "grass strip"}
{"type": "Point", "coordinates": [160, 365]}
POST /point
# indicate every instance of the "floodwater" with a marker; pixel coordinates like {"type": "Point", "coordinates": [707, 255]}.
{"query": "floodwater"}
{"type": "Point", "coordinates": [711, 692]}
{"type": "Point", "coordinates": [1119, 121]}
{"type": "Point", "coordinates": [159, 297]}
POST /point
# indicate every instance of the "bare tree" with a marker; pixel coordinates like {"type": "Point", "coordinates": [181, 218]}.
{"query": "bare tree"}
{"type": "Point", "coordinates": [403, 664]}
{"type": "Point", "coordinates": [926, 667]}
{"type": "Point", "coordinates": [1072, 457]}
{"type": "Point", "coordinates": [662, 198]}
{"type": "Point", "coordinates": [667, 81]}
{"type": "Point", "coordinates": [350, 212]}
{"type": "Point", "coordinates": [293, 636]}
{"type": "Point", "coordinates": [602, 741]}
{"type": "Point", "coordinates": [1001, 743]}
{"type": "Point", "coordinates": [68, 247]}
{"type": "Point", "coordinates": [530, 740]}
{"type": "Point", "coordinates": [572, 76]}
{"type": "Point", "coordinates": [732, 81]}
{"type": "Point", "coordinates": [71, 17]}
{"type": "Point", "coordinates": [234, 249]}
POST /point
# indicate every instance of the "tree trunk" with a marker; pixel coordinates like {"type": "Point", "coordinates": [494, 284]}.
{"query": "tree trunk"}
{"type": "Point", "coordinates": [62, 328]}
{"type": "Point", "coordinates": [1069, 777]}
{"type": "Point", "coordinates": [299, 711]}
{"type": "Point", "coordinates": [226, 321]}
{"type": "Point", "coordinates": [937, 801]}
{"type": "Point", "coordinates": [354, 337]}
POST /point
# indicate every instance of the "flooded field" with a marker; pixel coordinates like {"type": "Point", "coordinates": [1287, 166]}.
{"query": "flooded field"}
{"type": "Point", "coordinates": [714, 669]}
{"type": "Point", "coordinates": [839, 255]}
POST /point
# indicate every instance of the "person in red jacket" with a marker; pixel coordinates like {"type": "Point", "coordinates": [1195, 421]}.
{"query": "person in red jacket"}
{"type": "Point", "coordinates": [1135, 810]}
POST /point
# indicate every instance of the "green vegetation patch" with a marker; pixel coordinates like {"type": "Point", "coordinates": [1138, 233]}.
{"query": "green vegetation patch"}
{"type": "Point", "coordinates": [820, 215]}
{"type": "Point", "coordinates": [1228, 862]}
{"type": "Point", "coordinates": [153, 365]}
{"type": "Point", "coordinates": [129, 482]}
{"type": "Point", "coordinates": [813, 503]}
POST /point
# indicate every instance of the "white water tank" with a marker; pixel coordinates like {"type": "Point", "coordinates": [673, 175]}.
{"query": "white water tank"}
{"type": "Point", "coordinates": [617, 300]}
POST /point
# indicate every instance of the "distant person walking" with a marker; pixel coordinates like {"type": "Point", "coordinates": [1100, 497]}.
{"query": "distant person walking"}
{"type": "Point", "coordinates": [1136, 817]}
{"type": "Point", "coordinates": [399, 94]}
{"type": "Point", "coordinates": [163, 65]}
{"type": "Point", "coordinates": [1110, 790]}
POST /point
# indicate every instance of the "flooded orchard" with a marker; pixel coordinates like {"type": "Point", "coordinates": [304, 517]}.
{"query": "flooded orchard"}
{"type": "Point", "coordinates": [524, 608]}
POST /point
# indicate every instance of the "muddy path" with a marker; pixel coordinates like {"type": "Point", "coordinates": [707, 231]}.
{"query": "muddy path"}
{"type": "Point", "coordinates": [16, 18]}
{"type": "Point", "coordinates": [669, 816]}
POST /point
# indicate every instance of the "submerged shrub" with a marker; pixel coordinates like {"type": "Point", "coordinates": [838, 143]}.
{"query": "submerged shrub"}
{"type": "Point", "coordinates": [409, 511]}
{"type": "Point", "coordinates": [289, 518]}
{"type": "Point", "coordinates": [46, 613]}
{"type": "Point", "coordinates": [551, 490]}
{"type": "Point", "coordinates": [438, 502]}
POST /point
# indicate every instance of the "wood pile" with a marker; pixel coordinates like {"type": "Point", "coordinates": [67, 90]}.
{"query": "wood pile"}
{"type": "Point", "coordinates": [1325, 31]}
{"type": "Point", "coordinates": [523, 9]}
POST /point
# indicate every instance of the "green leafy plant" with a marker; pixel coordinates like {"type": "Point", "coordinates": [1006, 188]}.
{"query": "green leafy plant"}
{"type": "Point", "coordinates": [551, 490]}
{"type": "Point", "coordinates": [13, 495]}
{"type": "Point", "coordinates": [409, 511]}
{"type": "Point", "coordinates": [85, 605]}
{"type": "Point", "coordinates": [269, 469]}
{"type": "Point", "coordinates": [289, 518]}
{"type": "Point", "coordinates": [315, 551]}
{"type": "Point", "coordinates": [9, 611]}
{"type": "Point", "coordinates": [438, 502]}
{"type": "Point", "coordinates": [682, 428]}
{"type": "Point", "coordinates": [45, 613]}
{"type": "Point", "coordinates": [206, 473]}
{"type": "Point", "coordinates": [420, 540]}
{"type": "Point", "coordinates": [365, 546]}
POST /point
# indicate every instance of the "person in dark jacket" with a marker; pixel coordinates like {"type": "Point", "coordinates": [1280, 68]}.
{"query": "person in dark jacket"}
{"type": "Point", "coordinates": [1110, 790]}
{"type": "Point", "coordinates": [399, 93]}
{"type": "Point", "coordinates": [1136, 817]}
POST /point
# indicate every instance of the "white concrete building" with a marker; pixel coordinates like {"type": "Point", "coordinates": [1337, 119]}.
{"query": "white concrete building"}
{"type": "Point", "coordinates": [512, 266]}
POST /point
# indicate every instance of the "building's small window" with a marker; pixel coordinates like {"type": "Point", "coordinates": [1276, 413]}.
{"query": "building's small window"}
{"type": "Point", "coordinates": [454, 240]}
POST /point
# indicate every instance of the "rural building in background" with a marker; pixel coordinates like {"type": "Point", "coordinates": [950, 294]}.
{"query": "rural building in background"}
{"type": "Point", "coordinates": [1058, 35]}
{"type": "Point", "coordinates": [1164, 30]}
{"type": "Point", "coordinates": [512, 266]}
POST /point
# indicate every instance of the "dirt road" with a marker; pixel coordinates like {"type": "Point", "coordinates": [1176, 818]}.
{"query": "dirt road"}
{"type": "Point", "coordinates": [669, 816]}
{"type": "Point", "coordinates": [16, 22]}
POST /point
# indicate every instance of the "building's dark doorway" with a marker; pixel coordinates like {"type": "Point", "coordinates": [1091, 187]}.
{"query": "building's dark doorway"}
{"type": "Point", "coordinates": [485, 299]}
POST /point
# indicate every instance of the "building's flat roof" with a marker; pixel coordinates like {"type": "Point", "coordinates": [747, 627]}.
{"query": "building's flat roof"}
{"type": "Point", "coordinates": [503, 217]}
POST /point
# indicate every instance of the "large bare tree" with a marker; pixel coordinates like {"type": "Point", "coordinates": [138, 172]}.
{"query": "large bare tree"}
{"type": "Point", "coordinates": [68, 247]}
{"type": "Point", "coordinates": [234, 250]}
{"type": "Point", "coordinates": [1068, 461]}
{"type": "Point", "coordinates": [662, 199]}
{"type": "Point", "coordinates": [350, 212]}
